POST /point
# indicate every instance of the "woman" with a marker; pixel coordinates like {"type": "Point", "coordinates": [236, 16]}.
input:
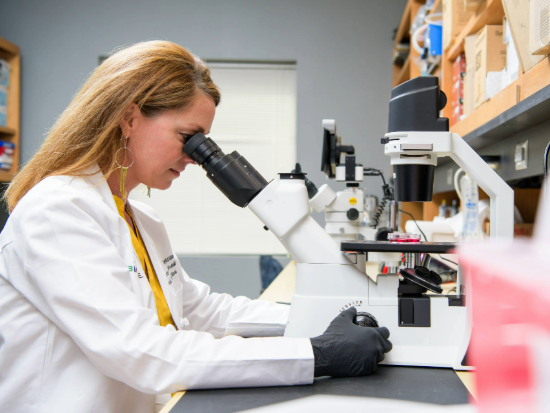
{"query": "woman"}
{"type": "Point", "coordinates": [96, 313]}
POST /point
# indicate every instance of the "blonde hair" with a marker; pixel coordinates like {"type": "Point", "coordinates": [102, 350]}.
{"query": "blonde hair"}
{"type": "Point", "coordinates": [156, 76]}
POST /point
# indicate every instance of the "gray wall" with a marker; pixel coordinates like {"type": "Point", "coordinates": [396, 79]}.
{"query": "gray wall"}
{"type": "Point", "coordinates": [342, 48]}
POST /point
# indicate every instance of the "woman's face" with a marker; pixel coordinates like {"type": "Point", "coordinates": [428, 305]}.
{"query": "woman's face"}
{"type": "Point", "coordinates": [157, 142]}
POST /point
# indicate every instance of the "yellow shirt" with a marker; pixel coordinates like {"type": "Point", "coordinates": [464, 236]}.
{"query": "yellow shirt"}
{"type": "Point", "coordinates": [163, 311]}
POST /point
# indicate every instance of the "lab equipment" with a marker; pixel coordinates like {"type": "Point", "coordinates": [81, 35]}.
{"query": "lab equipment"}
{"type": "Point", "coordinates": [346, 213]}
{"type": "Point", "coordinates": [469, 196]}
{"type": "Point", "coordinates": [453, 209]}
{"type": "Point", "coordinates": [443, 209]}
{"type": "Point", "coordinates": [417, 136]}
{"type": "Point", "coordinates": [426, 329]}
{"type": "Point", "coordinates": [435, 34]}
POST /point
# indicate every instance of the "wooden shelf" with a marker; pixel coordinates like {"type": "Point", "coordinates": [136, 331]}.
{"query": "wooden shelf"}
{"type": "Point", "coordinates": [437, 7]}
{"type": "Point", "coordinates": [491, 12]}
{"type": "Point", "coordinates": [11, 132]}
{"type": "Point", "coordinates": [403, 29]}
{"type": "Point", "coordinates": [528, 113]}
{"type": "Point", "coordinates": [494, 117]}
{"type": "Point", "coordinates": [403, 75]}
{"type": "Point", "coordinates": [7, 131]}
{"type": "Point", "coordinates": [489, 110]}
{"type": "Point", "coordinates": [8, 47]}
{"type": "Point", "coordinates": [6, 176]}
{"type": "Point", "coordinates": [521, 105]}
{"type": "Point", "coordinates": [408, 70]}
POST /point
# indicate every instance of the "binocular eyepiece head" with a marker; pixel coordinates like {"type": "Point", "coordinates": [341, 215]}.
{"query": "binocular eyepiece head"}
{"type": "Point", "coordinates": [232, 174]}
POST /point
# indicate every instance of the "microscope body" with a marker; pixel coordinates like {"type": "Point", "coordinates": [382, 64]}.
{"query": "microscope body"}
{"type": "Point", "coordinates": [345, 215]}
{"type": "Point", "coordinates": [426, 329]}
{"type": "Point", "coordinates": [329, 280]}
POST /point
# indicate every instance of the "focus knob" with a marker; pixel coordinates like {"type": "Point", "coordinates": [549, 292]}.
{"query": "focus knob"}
{"type": "Point", "coordinates": [366, 320]}
{"type": "Point", "coordinates": [352, 214]}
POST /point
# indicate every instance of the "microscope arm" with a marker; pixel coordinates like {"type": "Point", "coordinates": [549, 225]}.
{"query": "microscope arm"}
{"type": "Point", "coordinates": [325, 197]}
{"type": "Point", "coordinates": [284, 208]}
{"type": "Point", "coordinates": [420, 148]}
{"type": "Point", "coordinates": [502, 196]}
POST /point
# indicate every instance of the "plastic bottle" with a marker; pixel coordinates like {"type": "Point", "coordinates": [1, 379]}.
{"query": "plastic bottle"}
{"type": "Point", "coordinates": [443, 209]}
{"type": "Point", "coordinates": [470, 198]}
{"type": "Point", "coordinates": [453, 209]}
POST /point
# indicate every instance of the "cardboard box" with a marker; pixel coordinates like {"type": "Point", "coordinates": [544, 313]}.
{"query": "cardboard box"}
{"type": "Point", "coordinates": [493, 83]}
{"type": "Point", "coordinates": [539, 29]}
{"type": "Point", "coordinates": [490, 54]}
{"type": "Point", "coordinates": [470, 55]}
{"type": "Point", "coordinates": [472, 5]}
{"type": "Point", "coordinates": [511, 73]}
{"type": "Point", "coordinates": [457, 93]}
{"type": "Point", "coordinates": [454, 20]}
{"type": "Point", "coordinates": [517, 14]}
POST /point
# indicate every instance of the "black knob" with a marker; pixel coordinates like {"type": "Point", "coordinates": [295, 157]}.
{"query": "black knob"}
{"type": "Point", "coordinates": [352, 214]}
{"type": "Point", "coordinates": [422, 271]}
{"type": "Point", "coordinates": [382, 234]}
{"type": "Point", "coordinates": [365, 320]}
{"type": "Point", "coordinates": [428, 275]}
{"type": "Point", "coordinates": [435, 277]}
{"type": "Point", "coordinates": [417, 277]}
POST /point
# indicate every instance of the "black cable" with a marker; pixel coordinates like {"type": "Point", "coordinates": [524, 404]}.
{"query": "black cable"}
{"type": "Point", "coordinates": [379, 211]}
{"type": "Point", "coordinates": [374, 172]}
{"type": "Point", "coordinates": [546, 160]}
{"type": "Point", "coordinates": [417, 226]}
{"type": "Point", "coordinates": [445, 259]}
{"type": "Point", "coordinates": [388, 196]}
{"type": "Point", "coordinates": [388, 193]}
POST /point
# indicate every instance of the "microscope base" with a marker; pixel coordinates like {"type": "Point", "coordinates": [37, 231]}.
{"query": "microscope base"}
{"type": "Point", "coordinates": [324, 290]}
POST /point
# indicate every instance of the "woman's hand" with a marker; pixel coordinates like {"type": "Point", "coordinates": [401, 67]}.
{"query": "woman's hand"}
{"type": "Point", "coordinates": [346, 349]}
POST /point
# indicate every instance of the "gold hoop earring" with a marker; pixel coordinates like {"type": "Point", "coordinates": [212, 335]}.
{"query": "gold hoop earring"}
{"type": "Point", "coordinates": [148, 192]}
{"type": "Point", "coordinates": [123, 169]}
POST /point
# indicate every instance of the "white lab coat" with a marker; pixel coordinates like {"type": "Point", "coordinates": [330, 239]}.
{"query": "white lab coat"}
{"type": "Point", "coordinates": [79, 330]}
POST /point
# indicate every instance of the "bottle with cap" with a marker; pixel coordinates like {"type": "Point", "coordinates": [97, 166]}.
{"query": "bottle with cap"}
{"type": "Point", "coordinates": [443, 209]}
{"type": "Point", "coordinates": [453, 209]}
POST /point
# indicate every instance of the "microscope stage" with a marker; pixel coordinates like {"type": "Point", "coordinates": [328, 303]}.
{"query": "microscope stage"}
{"type": "Point", "coordinates": [385, 246]}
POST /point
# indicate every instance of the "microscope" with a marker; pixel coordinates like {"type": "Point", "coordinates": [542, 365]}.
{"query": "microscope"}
{"type": "Point", "coordinates": [345, 213]}
{"type": "Point", "coordinates": [426, 327]}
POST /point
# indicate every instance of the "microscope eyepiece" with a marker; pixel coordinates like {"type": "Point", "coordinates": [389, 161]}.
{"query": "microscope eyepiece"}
{"type": "Point", "coordinates": [232, 174]}
{"type": "Point", "coordinates": [200, 148]}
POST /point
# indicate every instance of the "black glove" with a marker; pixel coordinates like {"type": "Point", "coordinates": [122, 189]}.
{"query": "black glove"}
{"type": "Point", "coordinates": [346, 349]}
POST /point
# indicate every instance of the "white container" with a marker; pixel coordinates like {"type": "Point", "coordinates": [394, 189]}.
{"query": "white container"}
{"type": "Point", "coordinates": [468, 193]}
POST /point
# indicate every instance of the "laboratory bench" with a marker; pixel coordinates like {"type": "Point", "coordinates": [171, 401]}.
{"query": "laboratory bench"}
{"type": "Point", "coordinates": [418, 384]}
